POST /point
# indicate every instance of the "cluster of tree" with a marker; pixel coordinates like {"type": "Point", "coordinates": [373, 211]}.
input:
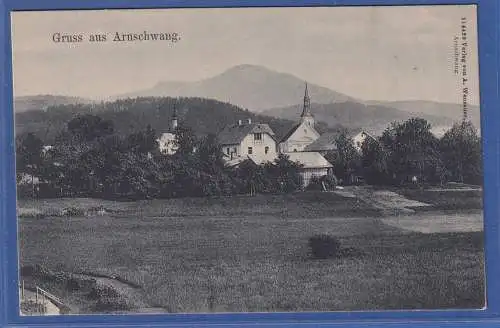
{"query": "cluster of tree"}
{"type": "Point", "coordinates": [409, 150]}
{"type": "Point", "coordinates": [89, 158]}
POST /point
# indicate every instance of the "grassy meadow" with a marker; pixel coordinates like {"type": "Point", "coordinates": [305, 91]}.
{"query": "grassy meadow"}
{"type": "Point", "coordinates": [246, 254]}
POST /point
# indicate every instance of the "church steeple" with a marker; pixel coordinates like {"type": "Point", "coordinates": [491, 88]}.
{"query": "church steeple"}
{"type": "Point", "coordinates": [174, 119]}
{"type": "Point", "coordinates": [306, 109]}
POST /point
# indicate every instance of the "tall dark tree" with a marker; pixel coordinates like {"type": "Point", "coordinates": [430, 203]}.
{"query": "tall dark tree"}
{"type": "Point", "coordinates": [185, 140]}
{"type": "Point", "coordinates": [346, 160]}
{"type": "Point", "coordinates": [413, 150]}
{"type": "Point", "coordinates": [461, 152]}
{"type": "Point", "coordinates": [285, 173]}
{"type": "Point", "coordinates": [29, 156]}
{"type": "Point", "coordinates": [374, 162]}
{"type": "Point", "coordinates": [88, 127]}
{"type": "Point", "coordinates": [143, 142]}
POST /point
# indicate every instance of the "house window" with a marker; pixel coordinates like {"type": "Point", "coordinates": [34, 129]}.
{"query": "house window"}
{"type": "Point", "coordinates": [266, 150]}
{"type": "Point", "coordinates": [250, 150]}
{"type": "Point", "coordinates": [227, 150]}
{"type": "Point", "coordinates": [234, 150]}
{"type": "Point", "coordinates": [257, 136]}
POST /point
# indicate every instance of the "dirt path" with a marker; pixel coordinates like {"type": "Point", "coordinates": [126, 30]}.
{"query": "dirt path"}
{"type": "Point", "coordinates": [389, 202]}
{"type": "Point", "coordinates": [438, 223]}
{"type": "Point", "coordinates": [132, 293]}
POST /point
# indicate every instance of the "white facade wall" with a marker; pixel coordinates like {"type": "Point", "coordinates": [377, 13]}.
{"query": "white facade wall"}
{"type": "Point", "coordinates": [262, 150]}
{"type": "Point", "coordinates": [166, 143]}
{"type": "Point", "coordinates": [358, 140]}
{"type": "Point", "coordinates": [302, 137]}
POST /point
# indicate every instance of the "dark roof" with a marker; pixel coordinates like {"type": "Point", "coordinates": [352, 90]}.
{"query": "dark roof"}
{"type": "Point", "coordinates": [289, 133]}
{"type": "Point", "coordinates": [326, 142]}
{"type": "Point", "coordinates": [234, 134]}
{"type": "Point", "coordinates": [309, 160]}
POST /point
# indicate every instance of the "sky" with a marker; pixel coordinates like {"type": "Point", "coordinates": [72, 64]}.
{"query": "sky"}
{"type": "Point", "coordinates": [370, 53]}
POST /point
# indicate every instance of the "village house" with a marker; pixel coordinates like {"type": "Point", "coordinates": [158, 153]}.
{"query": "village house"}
{"type": "Point", "coordinates": [313, 164]}
{"type": "Point", "coordinates": [360, 137]}
{"type": "Point", "coordinates": [248, 140]}
{"type": "Point", "coordinates": [326, 143]}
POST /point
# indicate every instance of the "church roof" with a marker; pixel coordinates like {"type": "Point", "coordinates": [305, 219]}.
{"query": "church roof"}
{"type": "Point", "coordinates": [235, 133]}
{"type": "Point", "coordinates": [326, 142]}
{"type": "Point", "coordinates": [310, 160]}
{"type": "Point", "coordinates": [289, 133]}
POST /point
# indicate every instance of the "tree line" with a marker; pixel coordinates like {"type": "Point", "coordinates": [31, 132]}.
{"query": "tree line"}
{"type": "Point", "coordinates": [90, 159]}
{"type": "Point", "coordinates": [408, 151]}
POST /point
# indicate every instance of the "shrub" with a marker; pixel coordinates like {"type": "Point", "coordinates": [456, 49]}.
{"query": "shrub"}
{"type": "Point", "coordinates": [330, 181]}
{"type": "Point", "coordinates": [112, 304]}
{"type": "Point", "coordinates": [100, 291]}
{"type": "Point", "coordinates": [314, 184]}
{"type": "Point", "coordinates": [324, 246]}
{"type": "Point", "coordinates": [73, 211]}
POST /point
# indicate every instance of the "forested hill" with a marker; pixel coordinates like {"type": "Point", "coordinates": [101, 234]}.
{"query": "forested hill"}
{"type": "Point", "coordinates": [204, 116]}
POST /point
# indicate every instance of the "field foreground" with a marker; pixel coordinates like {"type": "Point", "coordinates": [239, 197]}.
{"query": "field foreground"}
{"type": "Point", "coordinates": [245, 254]}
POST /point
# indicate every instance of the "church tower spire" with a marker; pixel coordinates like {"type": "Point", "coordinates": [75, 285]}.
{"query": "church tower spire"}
{"type": "Point", "coordinates": [306, 109]}
{"type": "Point", "coordinates": [174, 119]}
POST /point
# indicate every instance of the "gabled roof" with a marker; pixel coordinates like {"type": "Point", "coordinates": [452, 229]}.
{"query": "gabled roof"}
{"type": "Point", "coordinates": [234, 134]}
{"type": "Point", "coordinates": [326, 142]}
{"type": "Point", "coordinates": [289, 133]}
{"type": "Point", "coordinates": [292, 131]}
{"type": "Point", "coordinates": [309, 160]}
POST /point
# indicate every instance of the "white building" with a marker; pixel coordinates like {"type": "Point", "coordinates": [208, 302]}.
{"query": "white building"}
{"type": "Point", "coordinates": [314, 164]}
{"type": "Point", "coordinates": [360, 137]}
{"type": "Point", "coordinates": [247, 140]}
{"type": "Point", "coordinates": [166, 142]}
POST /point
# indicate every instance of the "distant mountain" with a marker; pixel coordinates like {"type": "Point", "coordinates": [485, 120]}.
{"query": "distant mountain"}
{"type": "Point", "coordinates": [451, 111]}
{"type": "Point", "coordinates": [354, 115]}
{"type": "Point", "coordinates": [42, 102]}
{"type": "Point", "coordinates": [248, 86]}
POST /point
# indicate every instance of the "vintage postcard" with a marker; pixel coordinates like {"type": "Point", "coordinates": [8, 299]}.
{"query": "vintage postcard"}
{"type": "Point", "coordinates": [248, 160]}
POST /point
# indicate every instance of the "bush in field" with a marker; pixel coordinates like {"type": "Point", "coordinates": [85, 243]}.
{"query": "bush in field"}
{"type": "Point", "coordinates": [324, 246]}
{"type": "Point", "coordinates": [73, 211]}
{"type": "Point", "coordinates": [316, 184]}
{"type": "Point", "coordinates": [99, 292]}
{"type": "Point", "coordinates": [109, 304]}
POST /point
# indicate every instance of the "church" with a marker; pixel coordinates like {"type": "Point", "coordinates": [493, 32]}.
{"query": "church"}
{"type": "Point", "coordinates": [303, 133]}
{"type": "Point", "coordinates": [298, 144]}
{"type": "Point", "coordinates": [166, 142]}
